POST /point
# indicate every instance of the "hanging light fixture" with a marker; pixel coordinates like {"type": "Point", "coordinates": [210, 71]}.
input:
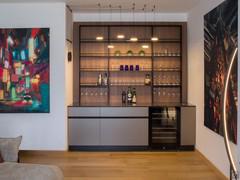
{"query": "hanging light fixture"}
{"type": "Point", "coordinates": [154, 38]}
{"type": "Point", "coordinates": [99, 37]}
{"type": "Point", "coordinates": [120, 36]}
{"type": "Point", "coordinates": [145, 46]}
{"type": "Point", "coordinates": [110, 46]}
{"type": "Point", "coordinates": [133, 38]}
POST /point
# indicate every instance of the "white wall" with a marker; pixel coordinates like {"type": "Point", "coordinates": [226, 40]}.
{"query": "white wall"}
{"type": "Point", "coordinates": [128, 17]}
{"type": "Point", "coordinates": [40, 131]}
{"type": "Point", "coordinates": [208, 143]}
{"type": "Point", "coordinates": [69, 65]}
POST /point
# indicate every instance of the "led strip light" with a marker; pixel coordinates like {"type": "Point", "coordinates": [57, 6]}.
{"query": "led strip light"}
{"type": "Point", "coordinates": [224, 115]}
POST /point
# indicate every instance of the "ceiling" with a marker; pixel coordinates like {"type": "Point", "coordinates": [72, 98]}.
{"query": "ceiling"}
{"type": "Point", "coordinates": [164, 6]}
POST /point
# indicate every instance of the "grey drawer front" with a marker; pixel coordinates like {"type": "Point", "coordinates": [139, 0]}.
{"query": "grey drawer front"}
{"type": "Point", "coordinates": [83, 112]}
{"type": "Point", "coordinates": [84, 132]}
{"type": "Point", "coordinates": [124, 112]}
{"type": "Point", "coordinates": [124, 132]}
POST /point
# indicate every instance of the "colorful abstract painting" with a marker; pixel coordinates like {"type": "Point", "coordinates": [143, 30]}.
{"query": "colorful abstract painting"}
{"type": "Point", "coordinates": [24, 70]}
{"type": "Point", "coordinates": [220, 41]}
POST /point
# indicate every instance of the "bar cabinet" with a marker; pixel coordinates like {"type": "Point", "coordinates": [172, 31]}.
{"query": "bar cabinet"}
{"type": "Point", "coordinates": [112, 59]}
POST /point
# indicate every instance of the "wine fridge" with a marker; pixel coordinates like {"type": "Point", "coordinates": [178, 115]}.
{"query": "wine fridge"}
{"type": "Point", "coordinates": [164, 127]}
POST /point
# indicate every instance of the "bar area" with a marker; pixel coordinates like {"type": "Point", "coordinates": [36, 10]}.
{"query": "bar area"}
{"type": "Point", "coordinates": [130, 88]}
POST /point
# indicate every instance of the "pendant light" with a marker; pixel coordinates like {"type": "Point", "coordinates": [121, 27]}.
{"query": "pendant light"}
{"type": "Point", "coordinates": [154, 38]}
{"type": "Point", "coordinates": [133, 38]}
{"type": "Point", "coordinates": [120, 35]}
{"type": "Point", "coordinates": [110, 46]}
{"type": "Point", "coordinates": [145, 46]}
{"type": "Point", "coordinates": [99, 37]}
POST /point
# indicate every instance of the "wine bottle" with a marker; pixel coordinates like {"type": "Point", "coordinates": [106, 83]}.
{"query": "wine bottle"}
{"type": "Point", "coordinates": [129, 95]}
{"type": "Point", "coordinates": [124, 97]}
{"type": "Point", "coordinates": [105, 79]}
{"type": "Point", "coordinates": [134, 96]}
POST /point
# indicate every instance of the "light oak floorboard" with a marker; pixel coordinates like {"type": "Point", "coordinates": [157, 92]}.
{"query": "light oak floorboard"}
{"type": "Point", "coordinates": [127, 165]}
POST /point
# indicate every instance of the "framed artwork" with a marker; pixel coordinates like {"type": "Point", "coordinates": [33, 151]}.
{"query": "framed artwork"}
{"type": "Point", "coordinates": [24, 70]}
{"type": "Point", "coordinates": [220, 41]}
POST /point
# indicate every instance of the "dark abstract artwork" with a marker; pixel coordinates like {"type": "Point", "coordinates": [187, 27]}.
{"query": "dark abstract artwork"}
{"type": "Point", "coordinates": [220, 41]}
{"type": "Point", "coordinates": [24, 70]}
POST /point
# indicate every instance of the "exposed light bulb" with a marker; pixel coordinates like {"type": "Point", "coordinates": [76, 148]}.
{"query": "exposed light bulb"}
{"type": "Point", "coordinates": [154, 38]}
{"type": "Point", "coordinates": [120, 36]}
{"type": "Point", "coordinates": [99, 38]}
{"type": "Point", "coordinates": [134, 39]}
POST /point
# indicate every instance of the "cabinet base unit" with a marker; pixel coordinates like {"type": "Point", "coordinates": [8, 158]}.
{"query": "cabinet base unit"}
{"type": "Point", "coordinates": [108, 128]}
{"type": "Point", "coordinates": [188, 127]}
{"type": "Point", "coordinates": [164, 127]}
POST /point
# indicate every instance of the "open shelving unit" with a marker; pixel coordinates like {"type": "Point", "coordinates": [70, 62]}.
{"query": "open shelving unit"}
{"type": "Point", "coordinates": [127, 63]}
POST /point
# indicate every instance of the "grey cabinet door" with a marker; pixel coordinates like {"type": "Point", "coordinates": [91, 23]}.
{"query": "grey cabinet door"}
{"type": "Point", "coordinates": [83, 112]}
{"type": "Point", "coordinates": [124, 132]}
{"type": "Point", "coordinates": [124, 111]}
{"type": "Point", "coordinates": [84, 132]}
{"type": "Point", "coordinates": [188, 126]}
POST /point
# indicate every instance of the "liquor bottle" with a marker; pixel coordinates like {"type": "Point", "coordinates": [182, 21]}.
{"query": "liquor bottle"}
{"type": "Point", "coordinates": [134, 96]}
{"type": "Point", "coordinates": [99, 79]}
{"type": "Point", "coordinates": [129, 95]}
{"type": "Point", "coordinates": [124, 97]}
{"type": "Point", "coordinates": [105, 79]}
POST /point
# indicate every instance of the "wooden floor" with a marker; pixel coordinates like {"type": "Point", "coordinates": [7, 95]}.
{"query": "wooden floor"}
{"type": "Point", "coordinates": [127, 165]}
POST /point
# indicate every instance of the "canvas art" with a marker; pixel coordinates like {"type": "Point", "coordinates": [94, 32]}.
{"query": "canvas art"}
{"type": "Point", "coordinates": [220, 41]}
{"type": "Point", "coordinates": [24, 70]}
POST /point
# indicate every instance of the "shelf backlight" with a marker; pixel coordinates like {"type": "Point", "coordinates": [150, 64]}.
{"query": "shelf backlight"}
{"type": "Point", "coordinates": [110, 46]}
{"type": "Point", "coordinates": [145, 46]}
{"type": "Point", "coordinates": [134, 39]}
{"type": "Point", "coordinates": [154, 38]}
{"type": "Point", "coordinates": [120, 36]}
{"type": "Point", "coordinates": [99, 38]}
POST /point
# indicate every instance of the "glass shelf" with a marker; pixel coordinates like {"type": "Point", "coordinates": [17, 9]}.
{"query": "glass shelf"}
{"type": "Point", "coordinates": [166, 85]}
{"type": "Point", "coordinates": [128, 41]}
{"type": "Point", "coordinates": [166, 55]}
{"type": "Point", "coordinates": [130, 84]}
{"type": "Point", "coordinates": [168, 41]}
{"type": "Point", "coordinates": [93, 70]}
{"type": "Point", "coordinates": [114, 70]}
{"type": "Point", "coordinates": [118, 70]}
{"type": "Point", "coordinates": [167, 70]}
{"type": "Point", "coordinates": [93, 86]}
{"type": "Point", "coordinates": [105, 55]}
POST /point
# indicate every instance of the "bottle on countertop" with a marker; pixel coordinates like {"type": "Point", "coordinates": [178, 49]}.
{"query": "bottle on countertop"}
{"type": "Point", "coordinates": [105, 79]}
{"type": "Point", "coordinates": [124, 97]}
{"type": "Point", "coordinates": [129, 95]}
{"type": "Point", "coordinates": [134, 96]}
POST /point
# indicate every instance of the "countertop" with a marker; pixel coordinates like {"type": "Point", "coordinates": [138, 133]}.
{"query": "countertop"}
{"type": "Point", "coordinates": [132, 106]}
